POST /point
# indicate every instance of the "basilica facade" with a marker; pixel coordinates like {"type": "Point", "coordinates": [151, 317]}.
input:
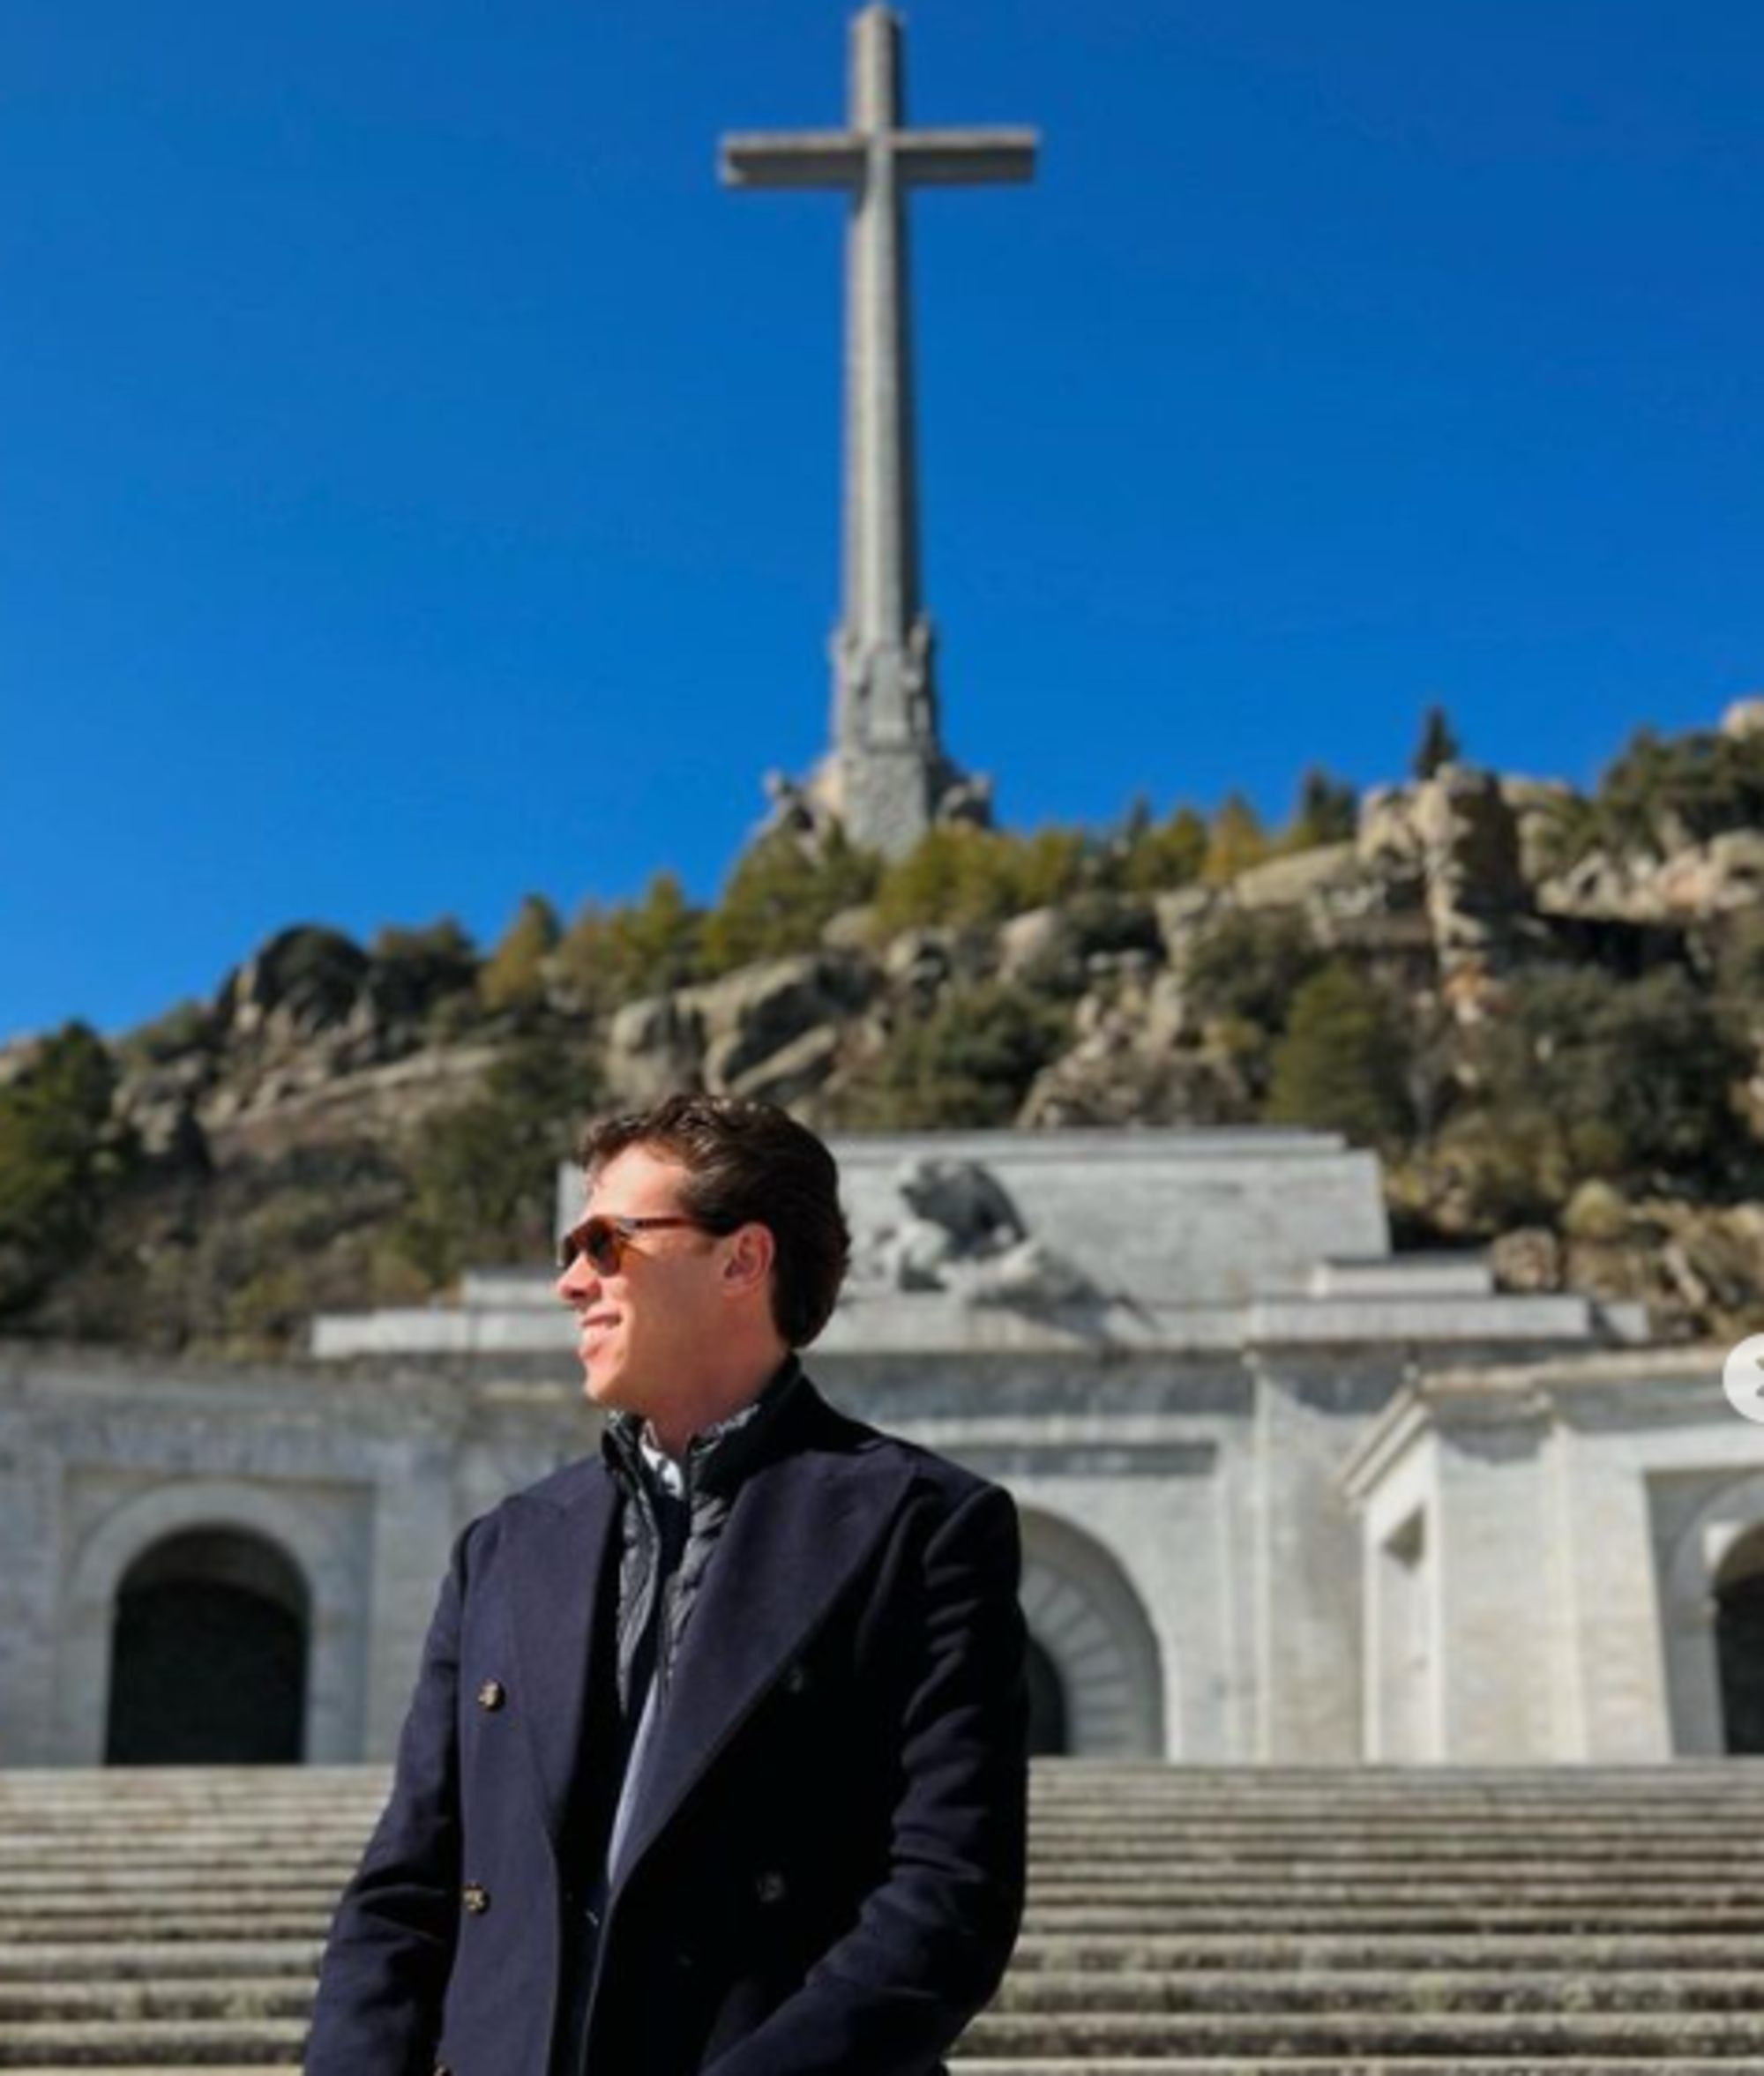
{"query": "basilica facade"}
{"type": "Point", "coordinates": [1286, 1495]}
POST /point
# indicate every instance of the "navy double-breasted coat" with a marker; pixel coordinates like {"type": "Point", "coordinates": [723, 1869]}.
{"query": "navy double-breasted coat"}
{"type": "Point", "coordinates": [825, 1871]}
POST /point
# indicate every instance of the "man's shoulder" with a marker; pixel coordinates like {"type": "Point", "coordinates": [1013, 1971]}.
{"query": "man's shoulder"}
{"type": "Point", "coordinates": [581, 1479]}
{"type": "Point", "coordinates": [892, 1455]}
{"type": "Point", "coordinates": [575, 1485]}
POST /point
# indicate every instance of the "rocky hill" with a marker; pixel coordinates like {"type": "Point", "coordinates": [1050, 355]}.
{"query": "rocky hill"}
{"type": "Point", "coordinates": [1544, 1008]}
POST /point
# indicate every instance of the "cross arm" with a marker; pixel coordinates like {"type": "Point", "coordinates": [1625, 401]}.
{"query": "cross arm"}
{"type": "Point", "coordinates": [966, 158]}
{"type": "Point", "coordinates": [794, 159]}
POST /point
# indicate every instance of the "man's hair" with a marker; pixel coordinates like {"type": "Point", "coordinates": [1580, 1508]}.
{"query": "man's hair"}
{"type": "Point", "coordinates": [748, 1162]}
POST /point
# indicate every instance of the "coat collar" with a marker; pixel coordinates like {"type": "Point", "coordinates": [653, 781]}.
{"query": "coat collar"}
{"type": "Point", "coordinates": [803, 1521]}
{"type": "Point", "coordinates": [719, 1458]}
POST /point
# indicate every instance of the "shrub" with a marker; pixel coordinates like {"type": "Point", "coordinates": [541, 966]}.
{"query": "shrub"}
{"type": "Point", "coordinates": [782, 893]}
{"type": "Point", "coordinates": [482, 1174]}
{"type": "Point", "coordinates": [1155, 857]}
{"type": "Point", "coordinates": [1328, 812]}
{"type": "Point", "coordinates": [966, 1062]}
{"type": "Point", "coordinates": [513, 976]}
{"type": "Point", "coordinates": [961, 877]}
{"type": "Point", "coordinates": [1660, 794]}
{"type": "Point", "coordinates": [609, 956]}
{"type": "Point", "coordinates": [310, 973]}
{"type": "Point", "coordinates": [60, 1153]}
{"type": "Point", "coordinates": [1249, 965]}
{"type": "Point", "coordinates": [1342, 1061]}
{"type": "Point", "coordinates": [1738, 976]}
{"type": "Point", "coordinates": [1236, 841]}
{"type": "Point", "coordinates": [414, 970]}
{"type": "Point", "coordinates": [1630, 1081]}
{"type": "Point", "coordinates": [185, 1027]}
{"type": "Point", "coordinates": [1438, 744]}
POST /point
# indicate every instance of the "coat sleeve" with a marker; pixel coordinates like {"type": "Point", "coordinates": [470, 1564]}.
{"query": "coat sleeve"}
{"type": "Point", "coordinates": [386, 1967]}
{"type": "Point", "coordinates": [932, 1941]}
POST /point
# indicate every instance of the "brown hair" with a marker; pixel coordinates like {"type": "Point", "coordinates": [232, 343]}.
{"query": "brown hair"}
{"type": "Point", "coordinates": [749, 1163]}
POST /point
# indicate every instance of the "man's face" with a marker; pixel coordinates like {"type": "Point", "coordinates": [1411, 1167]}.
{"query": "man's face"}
{"type": "Point", "coordinates": [645, 1327]}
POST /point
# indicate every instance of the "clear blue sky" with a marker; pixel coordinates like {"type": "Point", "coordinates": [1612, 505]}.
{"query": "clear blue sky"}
{"type": "Point", "coordinates": [418, 477]}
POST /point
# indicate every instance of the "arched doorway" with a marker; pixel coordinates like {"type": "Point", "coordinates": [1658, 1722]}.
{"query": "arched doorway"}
{"type": "Point", "coordinates": [208, 1656]}
{"type": "Point", "coordinates": [1095, 1675]}
{"type": "Point", "coordinates": [1740, 1645]}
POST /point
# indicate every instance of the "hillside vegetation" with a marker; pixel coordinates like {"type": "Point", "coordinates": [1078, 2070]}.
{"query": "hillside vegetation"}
{"type": "Point", "coordinates": [1544, 1009]}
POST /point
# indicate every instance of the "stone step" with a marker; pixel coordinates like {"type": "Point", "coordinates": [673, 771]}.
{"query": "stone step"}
{"type": "Point", "coordinates": [274, 1794]}
{"type": "Point", "coordinates": [1284, 1921]}
{"type": "Point", "coordinates": [1165, 1955]}
{"type": "Point", "coordinates": [1056, 1783]}
{"type": "Point", "coordinates": [110, 1961]}
{"type": "Point", "coordinates": [1433, 1990]}
{"type": "Point", "coordinates": [1611, 1828]}
{"type": "Point", "coordinates": [1731, 2040]}
{"type": "Point", "coordinates": [1150, 2066]}
{"type": "Point", "coordinates": [195, 2043]}
{"type": "Point", "coordinates": [1478, 2065]}
{"type": "Point", "coordinates": [213, 1915]}
{"type": "Point", "coordinates": [199, 1916]}
{"type": "Point", "coordinates": [144, 2003]}
{"type": "Point", "coordinates": [1150, 1840]}
{"type": "Point", "coordinates": [1439, 1921]}
{"type": "Point", "coordinates": [1145, 1856]}
{"type": "Point", "coordinates": [1133, 1882]}
{"type": "Point", "coordinates": [192, 1924]}
{"type": "Point", "coordinates": [1174, 2035]}
{"type": "Point", "coordinates": [59, 1887]}
{"type": "Point", "coordinates": [1297, 1954]}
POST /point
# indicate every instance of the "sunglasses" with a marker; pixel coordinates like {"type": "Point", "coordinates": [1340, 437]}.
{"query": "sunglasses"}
{"type": "Point", "coordinates": [604, 1240]}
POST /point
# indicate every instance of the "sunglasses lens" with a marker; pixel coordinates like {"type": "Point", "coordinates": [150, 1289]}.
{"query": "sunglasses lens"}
{"type": "Point", "coordinates": [600, 1240]}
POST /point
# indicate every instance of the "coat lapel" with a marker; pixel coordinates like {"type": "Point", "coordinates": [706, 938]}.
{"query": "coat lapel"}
{"type": "Point", "coordinates": [555, 1589]}
{"type": "Point", "coordinates": [800, 1525]}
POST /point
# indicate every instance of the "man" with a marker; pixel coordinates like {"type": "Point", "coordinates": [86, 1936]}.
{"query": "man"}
{"type": "Point", "coordinates": [717, 1755]}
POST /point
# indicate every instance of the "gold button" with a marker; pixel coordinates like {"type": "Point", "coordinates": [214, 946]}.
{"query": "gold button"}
{"type": "Point", "coordinates": [491, 1695]}
{"type": "Point", "coordinates": [475, 1897]}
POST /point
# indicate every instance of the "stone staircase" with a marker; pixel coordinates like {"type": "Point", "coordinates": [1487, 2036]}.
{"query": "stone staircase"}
{"type": "Point", "coordinates": [1211, 1922]}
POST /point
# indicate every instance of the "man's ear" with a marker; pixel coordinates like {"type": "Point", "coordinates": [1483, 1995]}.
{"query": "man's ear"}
{"type": "Point", "coordinates": [748, 1264]}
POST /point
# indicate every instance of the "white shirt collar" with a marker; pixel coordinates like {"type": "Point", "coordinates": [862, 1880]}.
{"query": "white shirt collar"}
{"type": "Point", "coordinates": [671, 1475]}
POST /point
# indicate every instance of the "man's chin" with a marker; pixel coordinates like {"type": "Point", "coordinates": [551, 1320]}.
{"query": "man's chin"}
{"type": "Point", "coordinates": [600, 1388]}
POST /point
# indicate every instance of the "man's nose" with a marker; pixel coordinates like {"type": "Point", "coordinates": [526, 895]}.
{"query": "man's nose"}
{"type": "Point", "coordinates": [577, 1281]}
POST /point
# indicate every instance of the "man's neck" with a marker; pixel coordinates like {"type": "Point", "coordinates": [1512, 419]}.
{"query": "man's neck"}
{"type": "Point", "coordinates": [674, 1432]}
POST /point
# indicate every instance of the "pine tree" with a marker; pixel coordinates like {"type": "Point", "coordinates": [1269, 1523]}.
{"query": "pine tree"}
{"type": "Point", "coordinates": [1327, 811]}
{"type": "Point", "coordinates": [59, 1149]}
{"type": "Point", "coordinates": [513, 977]}
{"type": "Point", "coordinates": [1341, 1062]}
{"type": "Point", "coordinates": [782, 895]}
{"type": "Point", "coordinates": [1236, 841]}
{"type": "Point", "coordinates": [1438, 743]}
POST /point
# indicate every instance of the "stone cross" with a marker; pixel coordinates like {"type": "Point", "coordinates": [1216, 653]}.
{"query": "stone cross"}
{"type": "Point", "coordinates": [888, 777]}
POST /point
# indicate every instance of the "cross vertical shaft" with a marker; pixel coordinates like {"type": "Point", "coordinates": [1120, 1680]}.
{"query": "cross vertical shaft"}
{"type": "Point", "coordinates": [881, 604]}
{"type": "Point", "coordinates": [887, 777]}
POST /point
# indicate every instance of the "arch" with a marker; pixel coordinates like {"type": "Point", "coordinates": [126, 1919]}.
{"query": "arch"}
{"type": "Point", "coordinates": [1739, 1644]}
{"type": "Point", "coordinates": [1742, 1560]}
{"type": "Point", "coordinates": [1092, 1628]}
{"type": "Point", "coordinates": [208, 1659]}
{"type": "Point", "coordinates": [307, 1548]}
{"type": "Point", "coordinates": [1713, 1553]}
